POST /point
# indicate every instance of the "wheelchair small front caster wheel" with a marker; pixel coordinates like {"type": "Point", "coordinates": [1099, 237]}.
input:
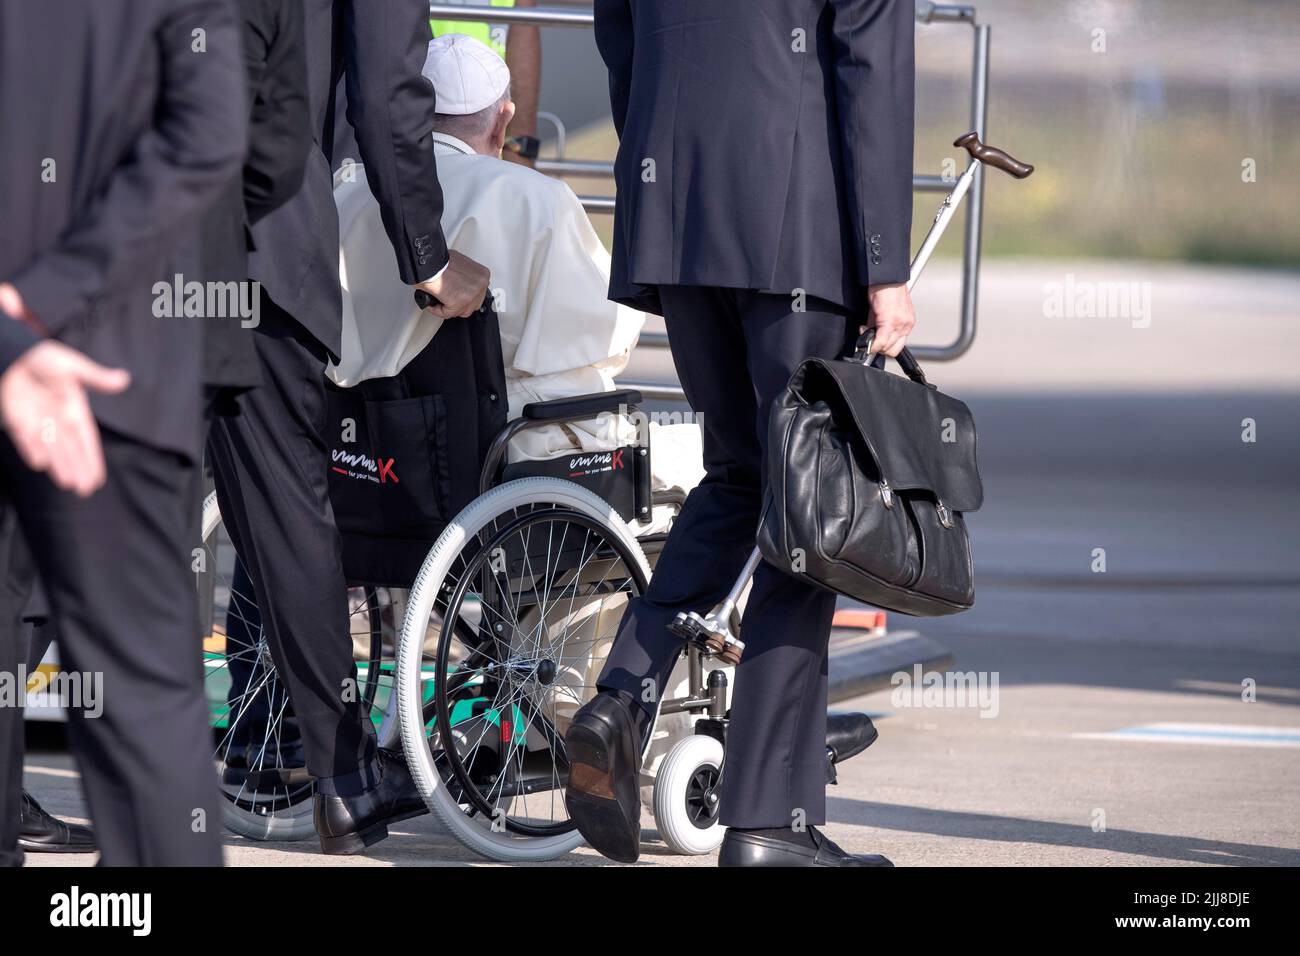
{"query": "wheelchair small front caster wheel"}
{"type": "Point", "coordinates": [686, 800]}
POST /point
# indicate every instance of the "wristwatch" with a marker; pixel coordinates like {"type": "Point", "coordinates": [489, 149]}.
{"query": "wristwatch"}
{"type": "Point", "coordinates": [526, 146]}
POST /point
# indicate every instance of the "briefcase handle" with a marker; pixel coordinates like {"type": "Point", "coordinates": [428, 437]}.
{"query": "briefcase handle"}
{"type": "Point", "coordinates": [906, 360]}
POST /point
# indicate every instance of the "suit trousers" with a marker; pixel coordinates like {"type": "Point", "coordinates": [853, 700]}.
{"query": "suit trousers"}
{"type": "Point", "coordinates": [21, 641]}
{"type": "Point", "coordinates": [735, 351]}
{"type": "Point", "coordinates": [116, 571]}
{"type": "Point", "coordinates": [15, 582]}
{"type": "Point", "coordinates": [271, 464]}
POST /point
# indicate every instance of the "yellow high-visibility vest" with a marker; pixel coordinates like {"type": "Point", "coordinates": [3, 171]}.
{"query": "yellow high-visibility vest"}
{"type": "Point", "coordinates": [478, 30]}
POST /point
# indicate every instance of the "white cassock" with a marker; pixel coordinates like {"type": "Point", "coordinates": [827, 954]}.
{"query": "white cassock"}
{"type": "Point", "coordinates": [560, 334]}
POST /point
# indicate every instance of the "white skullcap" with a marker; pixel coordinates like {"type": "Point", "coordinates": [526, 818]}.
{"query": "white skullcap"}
{"type": "Point", "coordinates": [467, 76]}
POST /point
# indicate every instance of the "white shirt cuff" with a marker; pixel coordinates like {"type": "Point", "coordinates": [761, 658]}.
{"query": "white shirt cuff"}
{"type": "Point", "coordinates": [439, 272]}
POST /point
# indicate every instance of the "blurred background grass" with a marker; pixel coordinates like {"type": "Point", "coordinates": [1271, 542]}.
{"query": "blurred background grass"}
{"type": "Point", "coordinates": [1138, 132]}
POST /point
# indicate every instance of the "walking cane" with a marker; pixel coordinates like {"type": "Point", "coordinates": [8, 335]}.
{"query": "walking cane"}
{"type": "Point", "coordinates": [715, 631]}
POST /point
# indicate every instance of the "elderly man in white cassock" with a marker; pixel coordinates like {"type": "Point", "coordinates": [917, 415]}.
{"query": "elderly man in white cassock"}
{"type": "Point", "coordinates": [560, 335]}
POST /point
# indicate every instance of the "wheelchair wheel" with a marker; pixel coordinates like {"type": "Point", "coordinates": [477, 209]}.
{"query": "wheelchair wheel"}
{"type": "Point", "coordinates": [685, 805]}
{"type": "Point", "coordinates": [508, 625]}
{"type": "Point", "coordinates": [266, 790]}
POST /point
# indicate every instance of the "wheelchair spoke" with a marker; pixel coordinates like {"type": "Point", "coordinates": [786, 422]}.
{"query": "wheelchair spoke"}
{"type": "Point", "coordinates": [250, 694]}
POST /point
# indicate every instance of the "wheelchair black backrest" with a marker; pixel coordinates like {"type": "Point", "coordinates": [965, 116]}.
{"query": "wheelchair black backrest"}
{"type": "Point", "coordinates": [407, 451]}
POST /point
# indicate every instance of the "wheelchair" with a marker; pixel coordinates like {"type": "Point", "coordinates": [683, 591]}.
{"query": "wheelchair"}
{"type": "Point", "coordinates": [475, 672]}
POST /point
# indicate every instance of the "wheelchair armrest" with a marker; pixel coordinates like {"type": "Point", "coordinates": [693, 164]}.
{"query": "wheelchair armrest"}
{"type": "Point", "coordinates": [581, 406]}
{"type": "Point", "coordinates": [556, 411]}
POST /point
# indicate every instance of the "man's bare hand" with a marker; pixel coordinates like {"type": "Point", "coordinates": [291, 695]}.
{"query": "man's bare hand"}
{"type": "Point", "coordinates": [460, 289]}
{"type": "Point", "coordinates": [892, 316]}
{"type": "Point", "coordinates": [43, 406]}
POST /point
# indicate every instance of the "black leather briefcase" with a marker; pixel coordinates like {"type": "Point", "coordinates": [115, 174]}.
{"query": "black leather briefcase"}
{"type": "Point", "coordinates": [869, 474]}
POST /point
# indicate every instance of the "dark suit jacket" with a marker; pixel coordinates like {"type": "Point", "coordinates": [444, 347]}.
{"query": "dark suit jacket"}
{"type": "Point", "coordinates": [278, 141]}
{"type": "Point", "coordinates": [763, 145]}
{"type": "Point", "coordinates": [15, 339]}
{"type": "Point", "coordinates": [279, 135]}
{"type": "Point", "coordinates": [118, 125]}
{"type": "Point", "coordinates": [379, 48]}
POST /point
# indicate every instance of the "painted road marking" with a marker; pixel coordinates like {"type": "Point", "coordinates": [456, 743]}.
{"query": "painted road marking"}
{"type": "Point", "coordinates": [65, 773]}
{"type": "Point", "coordinates": [1220, 735]}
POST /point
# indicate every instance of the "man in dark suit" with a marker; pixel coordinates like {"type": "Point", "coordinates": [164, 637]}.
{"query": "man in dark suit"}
{"type": "Point", "coordinates": [271, 461]}
{"type": "Point", "coordinates": [279, 140]}
{"type": "Point", "coordinates": [764, 209]}
{"type": "Point", "coordinates": [279, 137]}
{"type": "Point", "coordinates": [110, 155]}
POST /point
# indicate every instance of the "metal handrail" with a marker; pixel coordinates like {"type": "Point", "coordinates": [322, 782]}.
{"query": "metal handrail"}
{"type": "Point", "coordinates": [597, 169]}
{"type": "Point", "coordinates": [525, 16]}
{"type": "Point", "coordinates": [926, 13]}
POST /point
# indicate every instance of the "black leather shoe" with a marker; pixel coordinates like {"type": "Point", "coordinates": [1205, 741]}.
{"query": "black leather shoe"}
{"type": "Point", "coordinates": [848, 734]}
{"type": "Point", "coordinates": [602, 797]}
{"type": "Point", "coordinates": [42, 833]}
{"type": "Point", "coordinates": [350, 824]}
{"type": "Point", "coordinates": [743, 848]}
